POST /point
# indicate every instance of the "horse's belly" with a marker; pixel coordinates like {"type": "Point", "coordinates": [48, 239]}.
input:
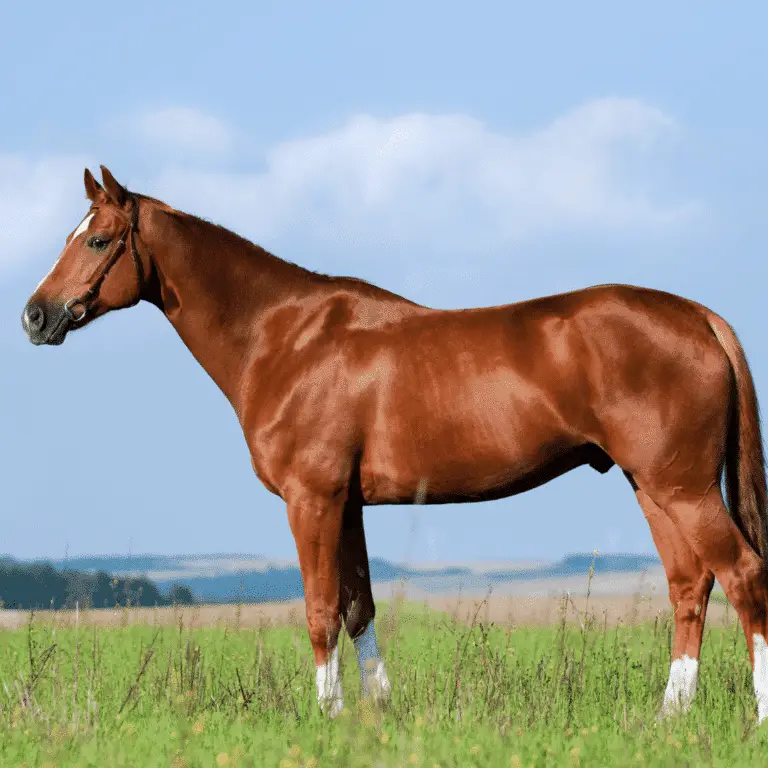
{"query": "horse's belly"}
{"type": "Point", "coordinates": [470, 423]}
{"type": "Point", "coordinates": [452, 460]}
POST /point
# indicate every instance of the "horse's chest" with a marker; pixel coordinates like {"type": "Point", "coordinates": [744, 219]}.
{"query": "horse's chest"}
{"type": "Point", "coordinates": [306, 441]}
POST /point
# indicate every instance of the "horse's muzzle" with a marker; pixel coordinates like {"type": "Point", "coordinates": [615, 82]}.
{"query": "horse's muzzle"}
{"type": "Point", "coordinates": [44, 324]}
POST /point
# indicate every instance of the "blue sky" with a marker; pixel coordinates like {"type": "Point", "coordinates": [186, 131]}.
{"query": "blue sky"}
{"type": "Point", "coordinates": [459, 154]}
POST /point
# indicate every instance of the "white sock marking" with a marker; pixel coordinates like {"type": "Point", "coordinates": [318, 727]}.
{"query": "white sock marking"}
{"type": "Point", "coordinates": [372, 673]}
{"type": "Point", "coordinates": [681, 686]}
{"type": "Point", "coordinates": [328, 680]}
{"type": "Point", "coordinates": [760, 676]}
{"type": "Point", "coordinates": [81, 227]}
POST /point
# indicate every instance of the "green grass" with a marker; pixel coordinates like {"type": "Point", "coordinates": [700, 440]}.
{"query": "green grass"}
{"type": "Point", "coordinates": [463, 696]}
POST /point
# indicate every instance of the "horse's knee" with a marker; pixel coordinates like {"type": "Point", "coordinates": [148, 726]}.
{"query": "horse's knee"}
{"type": "Point", "coordinates": [323, 630]}
{"type": "Point", "coordinates": [689, 597]}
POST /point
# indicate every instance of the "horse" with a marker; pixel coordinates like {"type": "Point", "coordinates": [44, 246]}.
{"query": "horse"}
{"type": "Point", "coordinates": [350, 396]}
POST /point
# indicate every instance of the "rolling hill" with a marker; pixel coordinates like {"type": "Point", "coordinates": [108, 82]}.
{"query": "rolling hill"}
{"type": "Point", "coordinates": [222, 578]}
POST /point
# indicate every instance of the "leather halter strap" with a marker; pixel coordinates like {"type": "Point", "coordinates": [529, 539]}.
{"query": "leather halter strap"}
{"type": "Point", "coordinates": [126, 241]}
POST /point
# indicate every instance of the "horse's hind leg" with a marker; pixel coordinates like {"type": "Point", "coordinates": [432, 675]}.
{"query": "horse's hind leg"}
{"type": "Point", "coordinates": [719, 544]}
{"type": "Point", "coordinates": [690, 584]}
{"type": "Point", "coordinates": [357, 605]}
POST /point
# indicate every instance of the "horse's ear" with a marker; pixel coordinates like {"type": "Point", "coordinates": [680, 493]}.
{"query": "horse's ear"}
{"type": "Point", "coordinates": [115, 191]}
{"type": "Point", "coordinates": [93, 190]}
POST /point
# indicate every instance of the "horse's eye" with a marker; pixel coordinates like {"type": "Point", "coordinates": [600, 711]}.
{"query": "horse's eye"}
{"type": "Point", "coordinates": [98, 243]}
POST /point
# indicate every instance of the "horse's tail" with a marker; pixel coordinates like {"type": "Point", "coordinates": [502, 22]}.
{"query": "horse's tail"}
{"type": "Point", "coordinates": [745, 481]}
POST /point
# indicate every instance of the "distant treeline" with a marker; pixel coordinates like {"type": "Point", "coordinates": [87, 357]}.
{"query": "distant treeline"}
{"type": "Point", "coordinates": [40, 585]}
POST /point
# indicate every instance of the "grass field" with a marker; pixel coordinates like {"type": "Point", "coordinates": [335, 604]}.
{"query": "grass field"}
{"type": "Point", "coordinates": [466, 693]}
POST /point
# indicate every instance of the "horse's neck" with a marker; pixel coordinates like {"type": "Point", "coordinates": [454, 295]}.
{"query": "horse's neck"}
{"type": "Point", "coordinates": [217, 291]}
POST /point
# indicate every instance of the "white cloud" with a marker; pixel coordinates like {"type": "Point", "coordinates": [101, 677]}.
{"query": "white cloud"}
{"type": "Point", "coordinates": [446, 180]}
{"type": "Point", "coordinates": [179, 131]}
{"type": "Point", "coordinates": [39, 202]}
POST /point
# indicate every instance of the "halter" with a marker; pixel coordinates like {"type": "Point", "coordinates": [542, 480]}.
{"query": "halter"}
{"type": "Point", "coordinates": [85, 301]}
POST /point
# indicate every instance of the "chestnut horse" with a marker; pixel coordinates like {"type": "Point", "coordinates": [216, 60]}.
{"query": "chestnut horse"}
{"type": "Point", "coordinates": [349, 395]}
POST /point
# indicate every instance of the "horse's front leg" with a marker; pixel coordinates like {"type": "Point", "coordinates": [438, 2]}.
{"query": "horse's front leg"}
{"type": "Point", "coordinates": [357, 606]}
{"type": "Point", "coordinates": [316, 524]}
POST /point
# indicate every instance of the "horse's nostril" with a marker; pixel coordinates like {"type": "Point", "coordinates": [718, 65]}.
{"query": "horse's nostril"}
{"type": "Point", "coordinates": [34, 317]}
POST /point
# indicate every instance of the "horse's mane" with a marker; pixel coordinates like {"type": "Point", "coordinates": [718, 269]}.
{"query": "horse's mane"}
{"type": "Point", "coordinates": [184, 217]}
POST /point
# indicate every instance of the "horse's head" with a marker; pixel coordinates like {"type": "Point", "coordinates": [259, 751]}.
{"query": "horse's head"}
{"type": "Point", "coordinates": [98, 271]}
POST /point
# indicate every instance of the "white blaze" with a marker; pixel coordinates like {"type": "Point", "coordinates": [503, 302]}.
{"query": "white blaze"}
{"type": "Point", "coordinates": [84, 224]}
{"type": "Point", "coordinates": [681, 686]}
{"type": "Point", "coordinates": [760, 673]}
{"type": "Point", "coordinates": [81, 227]}
{"type": "Point", "coordinates": [329, 695]}
{"type": "Point", "coordinates": [372, 673]}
